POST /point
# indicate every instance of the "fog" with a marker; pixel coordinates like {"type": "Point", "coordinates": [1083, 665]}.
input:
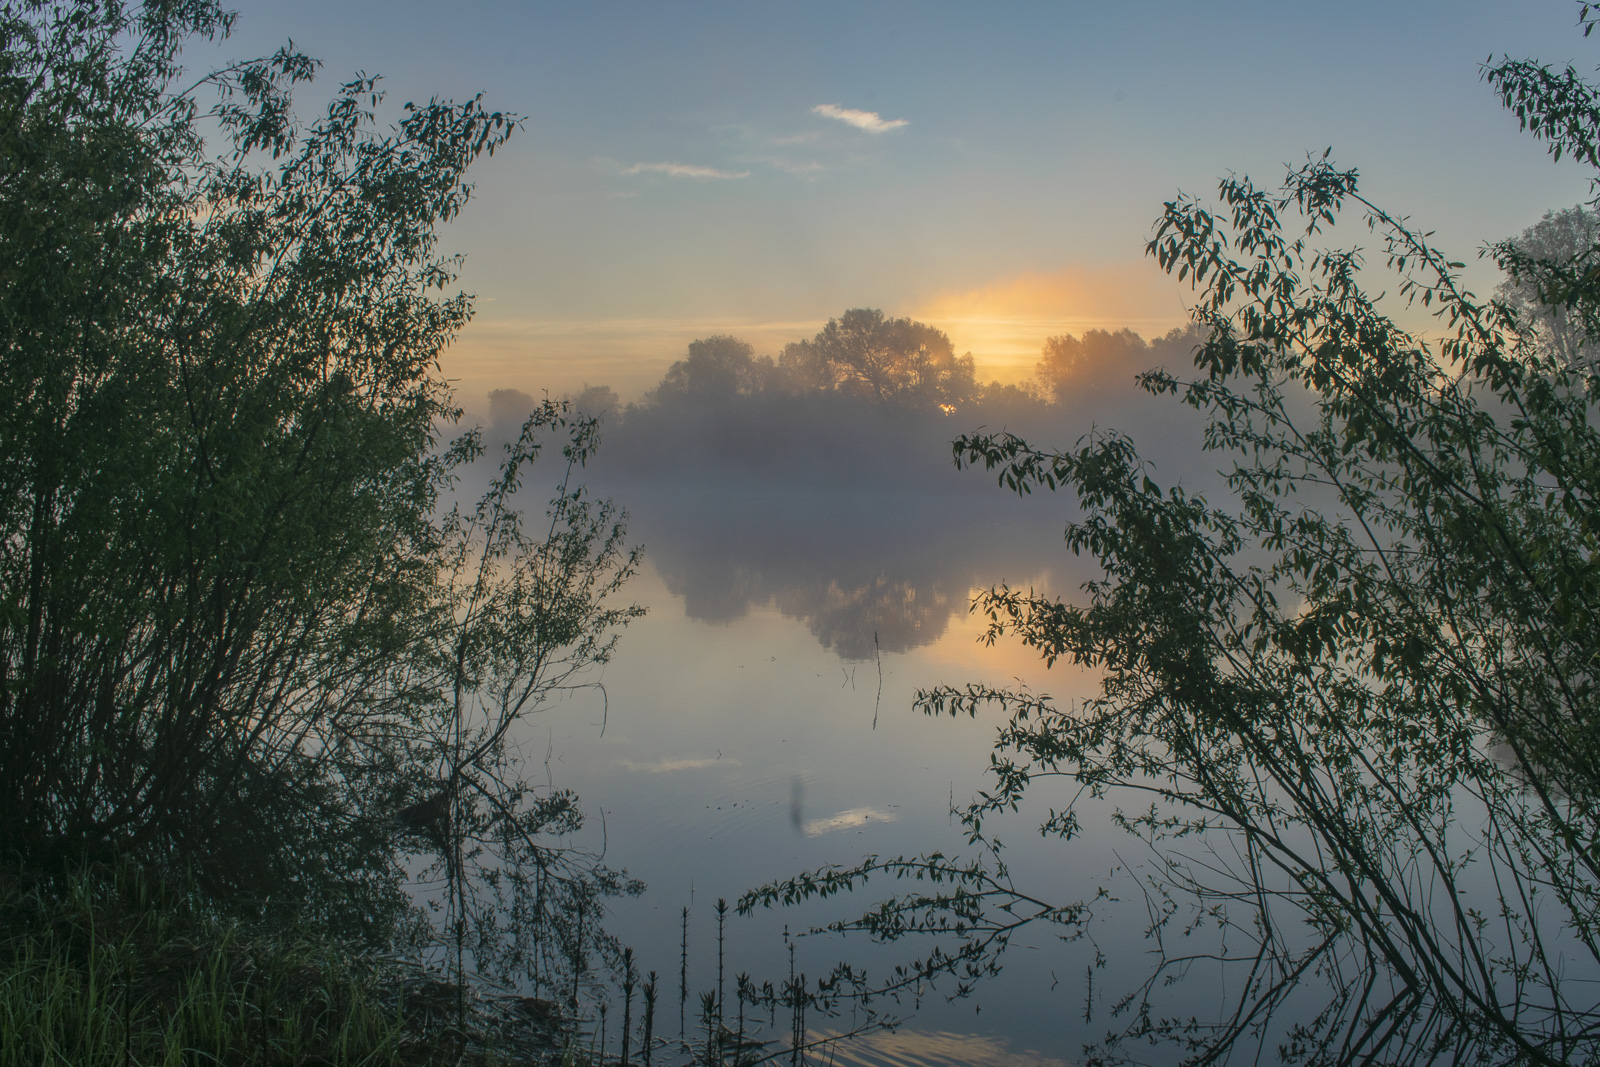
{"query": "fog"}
{"type": "Point", "coordinates": [872, 413]}
{"type": "Point", "coordinates": [810, 556]}
{"type": "Point", "coordinates": [822, 481]}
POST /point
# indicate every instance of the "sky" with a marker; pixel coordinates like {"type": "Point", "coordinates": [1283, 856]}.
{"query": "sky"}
{"type": "Point", "coordinates": [756, 168]}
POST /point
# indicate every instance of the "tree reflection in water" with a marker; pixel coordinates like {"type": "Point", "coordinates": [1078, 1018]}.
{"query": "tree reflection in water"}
{"type": "Point", "coordinates": [865, 574]}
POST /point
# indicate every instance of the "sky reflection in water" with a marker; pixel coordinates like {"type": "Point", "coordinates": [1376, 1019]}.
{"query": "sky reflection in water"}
{"type": "Point", "coordinates": [737, 740]}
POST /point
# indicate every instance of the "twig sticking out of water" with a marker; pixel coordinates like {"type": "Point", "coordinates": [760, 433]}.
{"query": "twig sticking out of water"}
{"type": "Point", "coordinates": [722, 914]}
{"type": "Point", "coordinates": [629, 976]}
{"type": "Point", "coordinates": [683, 976]}
{"type": "Point", "coordinates": [877, 656]}
{"type": "Point", "coordinates": [649, 1017]}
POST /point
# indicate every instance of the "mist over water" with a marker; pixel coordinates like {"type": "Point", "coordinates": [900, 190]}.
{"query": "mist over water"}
{"type": "Point", "coordinates": [864, 573]}
{"type": "Point", "coordinates": [809, 564]}
{"type": "Point", "coordinates": [751, 730]}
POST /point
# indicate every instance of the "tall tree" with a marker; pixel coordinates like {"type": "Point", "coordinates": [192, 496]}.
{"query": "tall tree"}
{"type": "Point", "coordinates": [716, 370]}
{"type": "Point", "coordinates": [1073, 366]}
{"type": "Point", "coordinates": [237, 637]}
{"type": "Point", "coordinates": [896, 361]}
{"type": "Point", "coordinates": [1071, 363]}
{"type": "Point", "coordinates": [1542, 263]}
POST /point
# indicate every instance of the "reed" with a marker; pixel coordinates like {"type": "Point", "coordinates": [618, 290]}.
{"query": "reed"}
{"type": "Point", "coordinates": [112, 970]}
{"type": "Point", "coordinates": [115, 968]}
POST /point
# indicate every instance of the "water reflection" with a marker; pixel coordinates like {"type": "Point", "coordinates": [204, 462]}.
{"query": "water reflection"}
{"type": "Point", "coordinates": [934, 1048]}
{"type": "Point", "coordinates": [754, 730]}
{"type": "Point", "coordinates": [866, 574]}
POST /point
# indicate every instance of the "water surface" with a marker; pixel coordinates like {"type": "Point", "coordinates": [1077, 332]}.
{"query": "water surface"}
{"type": "Point", "coordinates": [759, 722]}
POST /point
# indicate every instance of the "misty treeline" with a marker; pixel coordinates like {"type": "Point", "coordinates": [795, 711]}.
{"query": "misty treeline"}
{"type": "Point", "coordinates": [868, 401]}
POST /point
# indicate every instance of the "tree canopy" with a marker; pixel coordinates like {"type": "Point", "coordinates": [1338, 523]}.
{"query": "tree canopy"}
{"type": "Point", "coordinates": [242, 631]}
{"type": "Point", "coordinates": [1073, 365]}
{"type": "Point", "coordinates": [897, 361]}
{"type": "Point", "coordinates": [717, 369]}
{"type": "Point", "coordinates": [1565, 240]}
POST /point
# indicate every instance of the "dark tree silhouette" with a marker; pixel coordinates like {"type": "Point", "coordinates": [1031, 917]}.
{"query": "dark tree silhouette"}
{"type": "Point", "coordinates": [892, 361]}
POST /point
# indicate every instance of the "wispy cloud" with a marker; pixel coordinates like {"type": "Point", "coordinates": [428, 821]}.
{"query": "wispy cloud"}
{"type": "Point", "coordinates": [870, 121]}
{"type": "Point", "coordinates": [686, 170]}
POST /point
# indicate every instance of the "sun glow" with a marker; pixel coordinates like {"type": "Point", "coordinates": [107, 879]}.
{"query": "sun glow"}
{"type": "Point", "coordinates": [1004, 322]}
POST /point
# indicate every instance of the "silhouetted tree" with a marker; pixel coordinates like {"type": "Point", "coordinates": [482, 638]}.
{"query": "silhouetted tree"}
{"type": "Point", "coordinates": [596, 401]}
{"type": "Point", "coordinates": [802, 370]}
{"type": "Point", "coordinates": [1072, 363]}
{"type": "Point", "coordinates": [1102, 359]}
{"type": "Point", "coordinates": [716, 370]}
{"type": "Point", "coordinates": [237, 639]}
{"type": "Point", "coordinates": [892, 361]}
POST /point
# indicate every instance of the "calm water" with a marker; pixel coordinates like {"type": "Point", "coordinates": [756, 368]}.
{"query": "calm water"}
{"type": "Point", "coordinates": [759, 722]}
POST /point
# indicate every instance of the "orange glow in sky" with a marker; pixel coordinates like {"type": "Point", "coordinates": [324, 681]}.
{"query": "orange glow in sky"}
{"type": "Point", "coordinates": [688, 170]}
{"type": "Point", "coordinates": [1004, 323]}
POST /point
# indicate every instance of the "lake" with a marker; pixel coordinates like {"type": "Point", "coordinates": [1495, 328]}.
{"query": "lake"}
{"type": "Point", "coordinates": [759, 722]}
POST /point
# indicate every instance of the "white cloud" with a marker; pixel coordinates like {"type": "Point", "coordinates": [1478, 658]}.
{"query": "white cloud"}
{"type": "Point", "coordinates": [686, 170]}
{"type": "Point", "coordinates": [870, 121]}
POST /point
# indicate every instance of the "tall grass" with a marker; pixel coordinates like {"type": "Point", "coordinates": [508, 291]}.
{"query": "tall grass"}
{"type": "Point", "coordinates": [118, 969]}
{"type": "Point", "coordinates": [110, 969]}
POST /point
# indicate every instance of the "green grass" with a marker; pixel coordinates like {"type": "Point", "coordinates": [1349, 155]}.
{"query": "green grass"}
{"type": "Point", "coordinates": [102, 970]}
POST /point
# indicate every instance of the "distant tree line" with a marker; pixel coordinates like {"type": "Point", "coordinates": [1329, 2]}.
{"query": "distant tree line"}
{"type": "Point", "coordinates": [869, 398]}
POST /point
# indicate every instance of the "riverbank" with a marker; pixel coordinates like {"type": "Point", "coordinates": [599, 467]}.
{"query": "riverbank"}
{"type": "Point", "coordinates": [120, 969]}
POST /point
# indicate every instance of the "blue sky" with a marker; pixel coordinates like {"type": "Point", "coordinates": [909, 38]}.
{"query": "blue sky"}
{"type": "Point", "coordinates": [675, 177]}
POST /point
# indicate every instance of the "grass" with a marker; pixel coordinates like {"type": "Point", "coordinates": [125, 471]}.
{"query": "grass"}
{"type": "Point", "coordinates": [106, 970]}
{"type": "Point", "coordinates": [115, 969]}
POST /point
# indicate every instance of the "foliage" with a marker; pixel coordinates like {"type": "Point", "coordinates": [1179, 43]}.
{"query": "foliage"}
{"type": "Point", "coordinates": [890, 360]}
{"type": "Point", "coordinates": [115, 970]}
{"type": "Point", "coordinates": [114, 966]}
{"type": "Point", "coordinates": [241, 636]}
{"type": "Point", "coordinates": [1349, 700]}
{"type": "Point", "coordinates": [895, 363]}
{"type": "Point", "coordinates": [973, 899]}
{"type": "Point", "coordinates": [216, 397]}
{"type": "Point", "coordinates": [806, 422]}
{"type": "Point", "coordinates": [529, 617]}
{"type": "Point", "coordinates": [1544, 261]}
{"type": "Point", "coordinates": [717, 369]}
